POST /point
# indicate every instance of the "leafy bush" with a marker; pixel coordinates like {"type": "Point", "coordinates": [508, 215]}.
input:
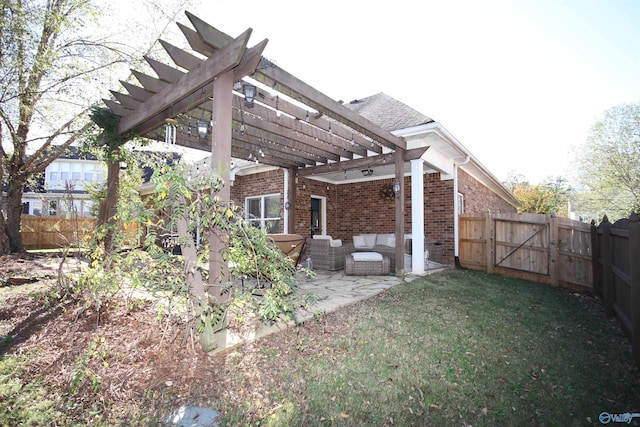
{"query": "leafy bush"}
{"type": "Point", "coordinates": [251, 255]}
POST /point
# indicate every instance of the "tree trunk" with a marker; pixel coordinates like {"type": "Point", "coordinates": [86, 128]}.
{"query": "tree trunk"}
{"type": "Point", "coordinates": [108, 207]}
{"type": "Point", "coordinates": [4, 237]}
{"type": "Point", "coordinates": [15, 189]}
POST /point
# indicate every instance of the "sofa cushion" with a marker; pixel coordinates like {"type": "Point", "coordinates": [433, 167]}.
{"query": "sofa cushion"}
{"type": "Point", "coordinates": [358, 242]}
{"type": "Point", "coordinates": [369, 240]}
{"type": "Point", "coordinates": [386, 240]}
{"type": "Point", "coordinates": [334, 243]}
{"type": "Point", "coordinates": [366, 256]}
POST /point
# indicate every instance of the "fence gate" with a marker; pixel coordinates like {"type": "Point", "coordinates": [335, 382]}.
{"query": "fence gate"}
{"type": "Point", "coordinates": [540, 248]}
{"type": "Point", "coordinates": [522, 245]}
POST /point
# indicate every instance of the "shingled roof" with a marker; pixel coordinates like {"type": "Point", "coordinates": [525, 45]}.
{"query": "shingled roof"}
{"type": "Point", "coordinates": [388, 112]}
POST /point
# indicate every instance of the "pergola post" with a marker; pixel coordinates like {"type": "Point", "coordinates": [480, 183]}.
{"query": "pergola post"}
{"type": "Point", "coordinates": [399, 212]}
{"type": "Point", "coordinates": [221, 165]}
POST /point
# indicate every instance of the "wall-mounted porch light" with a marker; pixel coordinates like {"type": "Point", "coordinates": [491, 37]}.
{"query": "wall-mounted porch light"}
{"type": "Point", "coordinates": [249, 92]}
{"type": "Point", "coordinates": [396, 187]}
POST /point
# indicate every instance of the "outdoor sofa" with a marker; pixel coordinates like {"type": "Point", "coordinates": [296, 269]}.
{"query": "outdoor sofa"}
{"type": "Point", "coordinates": [382, 243]}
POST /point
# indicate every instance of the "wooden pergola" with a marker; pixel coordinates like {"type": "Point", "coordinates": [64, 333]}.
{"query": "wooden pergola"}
{"type": "Point", "coordinates": [295, 126]}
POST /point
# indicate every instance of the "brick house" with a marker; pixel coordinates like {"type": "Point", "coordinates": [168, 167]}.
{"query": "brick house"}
{"type": "Point", "coordinates": [445, 180]}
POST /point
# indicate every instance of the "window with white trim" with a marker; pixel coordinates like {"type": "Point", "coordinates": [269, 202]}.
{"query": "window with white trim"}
{"type": "Point", "coordinates": [460, 203]}
{"type": "Point", "coordinates": [264, 212]}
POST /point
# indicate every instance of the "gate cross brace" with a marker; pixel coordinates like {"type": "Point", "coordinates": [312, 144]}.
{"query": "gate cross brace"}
{"type": "Point", "coordinates": [522, 244]}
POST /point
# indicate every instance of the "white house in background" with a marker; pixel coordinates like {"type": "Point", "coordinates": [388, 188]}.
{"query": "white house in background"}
{"type": "Point", "coordinates": [63, 188]}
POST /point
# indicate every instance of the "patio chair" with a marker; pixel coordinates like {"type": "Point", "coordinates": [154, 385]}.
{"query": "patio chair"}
{"type": "Point", "coordinates": [327, 253]}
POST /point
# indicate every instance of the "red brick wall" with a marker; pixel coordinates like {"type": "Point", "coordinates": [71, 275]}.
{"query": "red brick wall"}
{"type": "Point", "coordinates": [438, 218]}
{"type": "Point", "coordinates": [477, 198]}
{"type": "Point", "coordinates": [363, 210]}
{"type": "Point", "coordinates": [271, 182]}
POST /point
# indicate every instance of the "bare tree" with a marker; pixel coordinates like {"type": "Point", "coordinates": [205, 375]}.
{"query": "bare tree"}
{"type": "Point", "coordinates": [56, 60]}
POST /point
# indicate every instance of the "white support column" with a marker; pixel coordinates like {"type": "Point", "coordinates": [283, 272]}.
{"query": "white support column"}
{"type": "Point", "coordinates": [417, 216]}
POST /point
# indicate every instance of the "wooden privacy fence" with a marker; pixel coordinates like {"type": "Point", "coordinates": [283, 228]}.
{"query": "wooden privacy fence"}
{"type": "Point", "coordinates": [540, 248]}
{"type": "Point", "coordinates": [616, 271]}
{"type": "Point", "coordinates": [52, 232]}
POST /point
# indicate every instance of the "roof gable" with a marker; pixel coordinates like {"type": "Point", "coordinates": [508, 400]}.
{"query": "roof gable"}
{"type": "Point", "coordinates": [387, 112]}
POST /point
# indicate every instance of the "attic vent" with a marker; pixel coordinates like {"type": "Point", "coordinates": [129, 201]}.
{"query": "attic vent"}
{"type": "Point", "coordinates": [356, 101]}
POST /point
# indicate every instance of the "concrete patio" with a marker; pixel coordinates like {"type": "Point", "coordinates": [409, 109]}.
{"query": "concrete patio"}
{"type": "Point", "coordinates": [333, 290]}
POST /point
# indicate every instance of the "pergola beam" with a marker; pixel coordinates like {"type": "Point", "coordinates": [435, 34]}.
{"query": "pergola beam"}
{"type": "Point", "coordinates": [222, 60]}
{"type": "Point", "coordinates": [136, 92]}
{"type": "Point", "coordinates": [270, 74]}
{"type": "Point", "coordinates": [301, 91]}
{"type": "Point", "coordinates": [387, 158]}
{"type": "Point", "coordinates": [335, 144]}
{"type": "Point", "coordinates": [331, 128]}
{"type": "Point", "coordinates": [299, 142]}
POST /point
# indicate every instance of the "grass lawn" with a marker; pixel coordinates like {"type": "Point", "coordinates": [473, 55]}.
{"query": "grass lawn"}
{"type": "Point", "coordinates": [457, 348]}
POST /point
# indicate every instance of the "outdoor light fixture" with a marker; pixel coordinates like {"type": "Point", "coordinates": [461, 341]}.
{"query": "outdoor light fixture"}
{"type": "Point", "coordinates": [249, 92]}
{"type": "Point", "coordinates": [170, 131]}
{"type": "Point", "coordinates": [367, 172]}
{"type": "Point", "coordinates": [396, 187]}
{"type": "Point", "coordinates": [203, 128]}
{"type": "Point", "coordinates": [203, 125]}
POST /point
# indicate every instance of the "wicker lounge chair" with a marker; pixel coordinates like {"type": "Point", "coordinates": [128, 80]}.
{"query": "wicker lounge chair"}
{"type": "Point", "coordinates": [327, 253]}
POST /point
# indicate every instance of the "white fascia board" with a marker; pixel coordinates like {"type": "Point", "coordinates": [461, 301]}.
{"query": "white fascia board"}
{"type": "Point", "coordinates": [437, 128]}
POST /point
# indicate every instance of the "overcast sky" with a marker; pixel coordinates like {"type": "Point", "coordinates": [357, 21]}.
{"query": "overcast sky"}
{"type": "Point", "coordinates": [518, 83]}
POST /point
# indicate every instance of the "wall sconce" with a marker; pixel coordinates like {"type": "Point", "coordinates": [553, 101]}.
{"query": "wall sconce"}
{"type": "Point", "coordinates": [367, 172]}
{"type": "Point", "coordinates": [396, 187]}
{"type": "Point", "coordinates": [249, 92]}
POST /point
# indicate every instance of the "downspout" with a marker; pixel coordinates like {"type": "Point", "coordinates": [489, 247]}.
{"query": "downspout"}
{"type": "Point", "coordinates": [456, 210]}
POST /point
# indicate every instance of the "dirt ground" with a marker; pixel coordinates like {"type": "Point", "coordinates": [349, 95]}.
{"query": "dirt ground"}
{"type": "Point", "coordinates": [133, 356]}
